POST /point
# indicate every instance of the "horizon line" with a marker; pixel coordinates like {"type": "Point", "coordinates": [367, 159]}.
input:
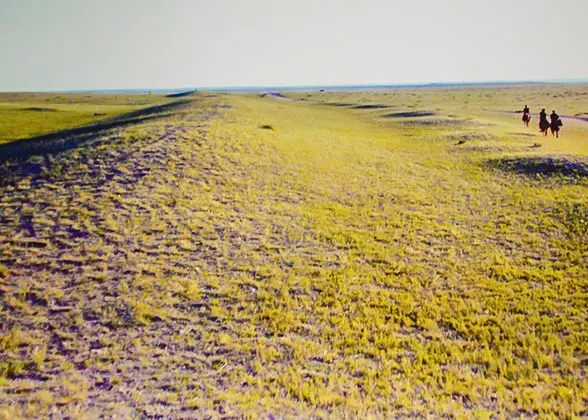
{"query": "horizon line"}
{"type": "Point", "coordinates": [229, 88]}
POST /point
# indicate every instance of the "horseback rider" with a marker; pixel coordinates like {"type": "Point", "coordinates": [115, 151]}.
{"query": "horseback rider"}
{"type": "Point", "coordinates": [555, 123]}
{"type": "Point", "coordinates": [554, 118]}
{"type": "Point", "coordinates": [543, 123]}
{"type": "Point", "coordinates": [526, 117]}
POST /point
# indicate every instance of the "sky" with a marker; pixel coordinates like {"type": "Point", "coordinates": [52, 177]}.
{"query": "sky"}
{"type": "Point", "coordinates": [157, 44]}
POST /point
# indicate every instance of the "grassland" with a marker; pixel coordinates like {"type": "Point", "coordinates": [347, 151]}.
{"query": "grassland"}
{"type": "Point", "coordinates": [567, 99]}
{"type": "Point", "coordinates": [25, 115]}
{"type": "Point", "coordinates": [245, 256]}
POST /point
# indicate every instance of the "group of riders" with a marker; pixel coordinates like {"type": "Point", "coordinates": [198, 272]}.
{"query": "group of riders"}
{"type": "Point", "coordinates": [554, 124]}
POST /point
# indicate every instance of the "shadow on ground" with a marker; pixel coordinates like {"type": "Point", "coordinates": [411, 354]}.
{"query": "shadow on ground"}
{"type": "Point", "coordinates": [410, 114]}
{"type": "Point", "coordinates": [546, 167]}
{"type": "Point", "coordinates": [359, 106]}
{"type": "Point", "coordinates": [60, 141]}
{"type": "Point", "coordinates": [40, 109]}
{"type": "Point", "coordinates": [524, 134]}
{"type": "Point", "coordinates": [338, 104]}
{"type": "Point", "coordinates": [182, 94]}
{"type": "Point", "coordinates": [372, 106]}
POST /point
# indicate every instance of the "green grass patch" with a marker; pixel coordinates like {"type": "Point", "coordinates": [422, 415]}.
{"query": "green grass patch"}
{"type": "Point", "coordinates": [25, 115]}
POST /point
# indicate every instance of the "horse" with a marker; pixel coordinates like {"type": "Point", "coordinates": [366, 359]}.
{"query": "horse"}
{"type": "Point", "coordinates": [544, 126]}
{"type": "Point", "coordinates": [554, 126]}
{"type": "Point", "coordinates": [526, 119]}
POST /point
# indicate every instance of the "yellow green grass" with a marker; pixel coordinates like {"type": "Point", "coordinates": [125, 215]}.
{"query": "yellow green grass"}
{"type": "Point", "coordinates": [25, 115]}
{"type": "Point", "coordinates": [248, 256]}
{"type": "Point", "coordinates": [566, 99]}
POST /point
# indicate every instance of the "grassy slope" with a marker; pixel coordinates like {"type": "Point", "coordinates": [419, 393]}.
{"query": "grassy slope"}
{"type": "Point", "coordinates": [24, 115]}
{"type": "Point", "coordinates": [339, 264]}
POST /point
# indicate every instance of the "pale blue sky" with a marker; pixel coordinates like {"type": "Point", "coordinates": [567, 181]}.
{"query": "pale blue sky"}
{"type": "Point", "coordinates": [117, 44]}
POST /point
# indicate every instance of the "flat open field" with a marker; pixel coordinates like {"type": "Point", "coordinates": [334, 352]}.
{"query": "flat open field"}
{"type": "Point", "coordinates": [24, 115]}
{"type": "Point", "coordinates": [410, 252]}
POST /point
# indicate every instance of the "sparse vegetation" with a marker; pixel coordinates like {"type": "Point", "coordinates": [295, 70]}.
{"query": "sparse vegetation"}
{"type": "Point", "coordinates": [345, 265]}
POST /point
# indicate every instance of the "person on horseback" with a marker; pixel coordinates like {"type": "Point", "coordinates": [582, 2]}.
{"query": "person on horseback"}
{"type": "Point", "coordinates": [543, 123]}
{"type": "Point", "coordinates": [554, 117]}
{"type": "Point", "coordinates": [526, 116]}
{"type": "Point", "coordinates": [555, 123]}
